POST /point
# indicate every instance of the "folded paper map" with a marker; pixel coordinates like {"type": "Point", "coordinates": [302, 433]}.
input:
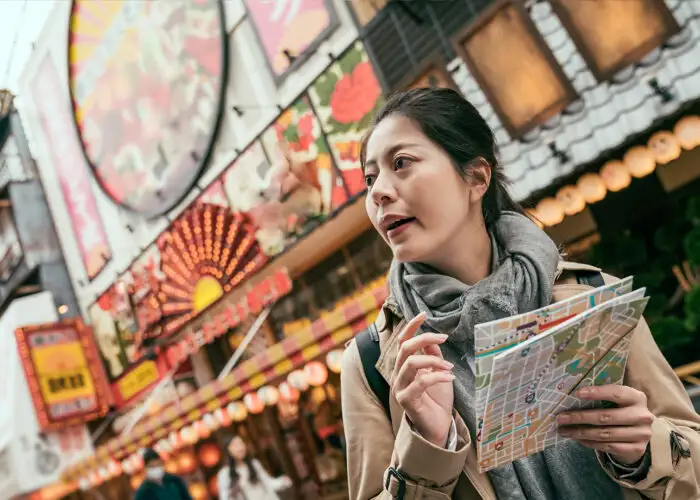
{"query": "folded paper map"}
{"type": "Point", "coordinates": [530, 366]}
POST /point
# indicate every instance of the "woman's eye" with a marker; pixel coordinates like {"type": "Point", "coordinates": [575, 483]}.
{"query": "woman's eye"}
{"type": "Point", "coordinates": [369, 180]}
{"type": "Point", "coordinates": [401, 162]}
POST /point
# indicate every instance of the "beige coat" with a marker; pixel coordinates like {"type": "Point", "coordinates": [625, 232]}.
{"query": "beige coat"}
{"type": "Point", "coordinates": [374, 444]}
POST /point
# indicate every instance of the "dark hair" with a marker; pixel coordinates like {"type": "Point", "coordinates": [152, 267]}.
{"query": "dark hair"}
{"type": "Point", "coordinates": [454, 124]}
{"type": "Point", "coordinates": [150, 455]}
{"type": "Point", "coordinates": [233, 473]}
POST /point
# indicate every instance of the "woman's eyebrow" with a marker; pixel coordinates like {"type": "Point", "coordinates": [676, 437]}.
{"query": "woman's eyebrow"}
{"type": "Point", "coordinates": [390, 152]}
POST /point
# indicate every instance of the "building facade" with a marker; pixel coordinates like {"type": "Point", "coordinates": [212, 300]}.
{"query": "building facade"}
{"type": "Point", "coordinates": [279, 260]}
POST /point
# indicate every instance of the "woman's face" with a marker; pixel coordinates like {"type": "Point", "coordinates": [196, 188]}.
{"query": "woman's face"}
{"type": "Point", "coordinates": [417, 200]}
{"type": "Point", "coordinates": [237, 448]}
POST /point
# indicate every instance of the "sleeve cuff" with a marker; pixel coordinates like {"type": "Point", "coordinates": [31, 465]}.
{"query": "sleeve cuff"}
{"type": "Point", "coordinates": [452, 437]}
{"type": "Point", "coordinates": [660, 459]}
{"type": "Point", "coordinates": [424, 462]}
{"type": "Point", "coordinates": [633, 472]}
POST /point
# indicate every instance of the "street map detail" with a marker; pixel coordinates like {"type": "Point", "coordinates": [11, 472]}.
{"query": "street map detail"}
{"type": "Point", "coordinates": [529, 366]}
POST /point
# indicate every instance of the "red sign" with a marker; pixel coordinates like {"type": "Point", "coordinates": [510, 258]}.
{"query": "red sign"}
{"type": "Point", "coordinates": [66, 379]}
{"type": "Point", "coordinates": [259, 297]}
{"type": "Point", "coordinates": [138, 380]}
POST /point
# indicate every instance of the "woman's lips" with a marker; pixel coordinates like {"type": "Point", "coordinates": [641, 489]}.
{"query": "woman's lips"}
{"type": "Point", "coordinates": [400, 228]}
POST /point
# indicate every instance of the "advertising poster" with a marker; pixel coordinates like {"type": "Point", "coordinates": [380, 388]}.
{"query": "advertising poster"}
{"type": "Point", "coordinates": [346, 98]}
{"type": "Point", "coordinates": [67, 160]}
{"type": "Point", "coordinates": [147, 80]}
{"type": "Point", "coordinates": [290, 28]}
{"type": "Point", "coordinates": [65, 377]}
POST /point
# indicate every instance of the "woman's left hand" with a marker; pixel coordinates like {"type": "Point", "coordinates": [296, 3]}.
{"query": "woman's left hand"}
{"type": "Point", "coordinates": [623, 432]}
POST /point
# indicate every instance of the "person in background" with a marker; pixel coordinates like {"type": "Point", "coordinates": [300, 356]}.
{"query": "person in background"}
{"type": "Point", "coordinates": [158, 483]}
{"type": "Point", "coordinates": [244, 478]}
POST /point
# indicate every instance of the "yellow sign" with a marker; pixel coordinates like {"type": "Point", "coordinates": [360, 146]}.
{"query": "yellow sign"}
{"type": "Point", "coordinates": [63, 372]}
{"type": "Point", "coordinates": [138, 379]}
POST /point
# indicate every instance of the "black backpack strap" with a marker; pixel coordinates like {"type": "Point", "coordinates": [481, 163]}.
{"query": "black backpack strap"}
{"type": "Point", "coordinates": [591, 278]}
{"type": "Point", "coordinates": [368, 345]}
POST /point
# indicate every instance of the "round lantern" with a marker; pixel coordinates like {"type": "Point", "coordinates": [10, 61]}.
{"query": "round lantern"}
{"type": "Point", "coordinates": [201, 430]}
{"type": "Point", "coordinates": [253, 403]}
{"type": "Point", "coordinates": [84, 484]}
{"type": "Point", "coordinates": [214, 486]}
{"type": "Point", "coordinates": [269, 395]}
{"type": "Point", "coordinates": [615, 176]}
{"type": "Point", "coordinates": [165, 446]}
{"type": "Point", "coordinates": [211, 422]}
{"type": "Point", "coordinates": [591, 187]}
{"type": "Point", "coordinates": [687, 131]}
{"type": "Point", "coordinates": [288, 393]}
{"type": "Point", "coordinates": [184, 389]}
{"type": "Point", "coordinates": [171, 466]}
{"type": "Point", "coordinates": [534, 217]}
{"type": "Point", "coordinates": [186, 463]}
{"type": "Point", "coordinates": [104, 473]}
{"type": "Point", "coordinates": [571, 200]}
{"type": "Point", "coordinates": [318, 395]}
{"type": "Point", "coordinates": [334, 359]}
{"type": "Point", "coordinates": [550, 211]}
{"type": "Point", "coordinates": [114, 468]}
{"type": "Point", "coordinates": [188, 435]}
{"type": "Point", "coordinates": [640, 161]}
{"type": "Point", "coordinates": [95, 478]}
{"type": "Point", "coordinates": [126, 466]}
{"type": "Point", "coordinates": [316, 373]}
{"type": "Point", "coordinates": [237, 411]}
{"type": "Point", "coordinates": [209, 455]}
{"type": "Point", "coordinates": [297, 380]}
{"type": "Point", "coordinates": [665, 147]}
{"type": "Point", "coordinates": [137, 462]}
{"type": "Point", "coordinates": [136, 481]}
{"type": "Point", "coordinates": [175, 440]}
{"type": "Point", "coordinates": [222, 417]}
{"type": "Point", "coordinates": [198, 491]}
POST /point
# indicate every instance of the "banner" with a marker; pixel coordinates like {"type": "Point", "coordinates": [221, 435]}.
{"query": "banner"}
{"type": "Point", "coordinates": [147, 82]}
{"type": "Point", "coordinates": [138, 380]}
{"type": "Point", "coordinates": [290, 29]}
{"type": "Point", "coordinates": [64, 152]}
{"type": "Point", "coordinates": [64, 373]}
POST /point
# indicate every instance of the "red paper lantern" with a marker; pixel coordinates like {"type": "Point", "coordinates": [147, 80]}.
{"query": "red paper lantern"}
{"type": "Point", "coordinates": [316, 373]}
{"type": "Point", "coordinates": [253, 403]}
{"type": "Point", "coordinates": [288, 393]}
{"type": "Point", "coordinates": [202, 430]}
{"type": "Point", "coordinates": [186, 463]}
{"type": "Point", "coordinates": [198, 491]}
{"type": "Point", "coordinates": [209, 455]}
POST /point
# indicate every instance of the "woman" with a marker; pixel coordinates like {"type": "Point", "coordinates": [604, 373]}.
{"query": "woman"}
{"type": "Point", "coordinates": [244, 478]}
{"type": "Point", "coordinates": [464, 254]}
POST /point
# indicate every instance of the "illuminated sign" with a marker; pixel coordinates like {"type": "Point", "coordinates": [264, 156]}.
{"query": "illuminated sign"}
{"type": "Point", "coordinates": [139, 379]}
{"type": "Point", "coordinates": [65, 376]}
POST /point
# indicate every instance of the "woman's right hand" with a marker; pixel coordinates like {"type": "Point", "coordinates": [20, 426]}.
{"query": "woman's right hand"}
{"type": "Point", "coordinates": [422, 382]}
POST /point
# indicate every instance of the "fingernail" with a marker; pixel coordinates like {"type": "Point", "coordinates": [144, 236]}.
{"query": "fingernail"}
{"type": "Point", "coordinates": [448, 365]}
{"type": "Point", "coordinates": [442, 336]}
{"type": "Point", "coordinates": [584, 393]}
{"type": "Point", "coordinates": [563, 419]}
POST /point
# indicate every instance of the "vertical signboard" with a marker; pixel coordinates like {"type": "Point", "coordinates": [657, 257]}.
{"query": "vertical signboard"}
{"type": "Point", "coordinates": [73, 177]}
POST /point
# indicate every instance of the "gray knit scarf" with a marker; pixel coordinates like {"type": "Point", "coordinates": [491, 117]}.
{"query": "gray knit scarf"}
{"type": "Point", "coordinates": [523, 270]}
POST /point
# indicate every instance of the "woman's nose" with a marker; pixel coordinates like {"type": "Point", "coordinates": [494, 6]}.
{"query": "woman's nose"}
{"type": "Point", "coordinates": [383, 190]}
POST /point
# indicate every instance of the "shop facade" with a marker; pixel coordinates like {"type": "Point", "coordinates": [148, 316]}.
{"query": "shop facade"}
{"type": "Point", "coordinates": [282, 261]}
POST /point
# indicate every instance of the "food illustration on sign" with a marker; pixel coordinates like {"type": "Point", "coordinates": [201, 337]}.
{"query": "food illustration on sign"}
{"type": "Point", "coordinates": [346, 98]}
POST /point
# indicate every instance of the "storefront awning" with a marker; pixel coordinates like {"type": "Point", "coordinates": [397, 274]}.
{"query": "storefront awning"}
{"type": "Point", "coordinates": [323, 335]}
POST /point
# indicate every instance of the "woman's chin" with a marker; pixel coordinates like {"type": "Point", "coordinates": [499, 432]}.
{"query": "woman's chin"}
{"type": "Point", "coordinates": [404, 253]}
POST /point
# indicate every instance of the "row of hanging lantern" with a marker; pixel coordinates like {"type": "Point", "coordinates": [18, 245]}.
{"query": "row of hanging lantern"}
{"type": "Point", "coordinates": [313, 374]}
{"type": "Point", "coordinates": [639, 161]}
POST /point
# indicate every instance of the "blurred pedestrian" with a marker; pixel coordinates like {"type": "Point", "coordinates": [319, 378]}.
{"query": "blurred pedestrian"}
{"type": "Point", "coordinates": [244, 478]}
{"type": "Point", "coordinates": [159, 485]}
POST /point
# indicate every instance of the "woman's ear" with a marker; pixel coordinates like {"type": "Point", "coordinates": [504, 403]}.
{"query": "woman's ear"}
{"type": "Point", "coordinates": [479, 178]}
